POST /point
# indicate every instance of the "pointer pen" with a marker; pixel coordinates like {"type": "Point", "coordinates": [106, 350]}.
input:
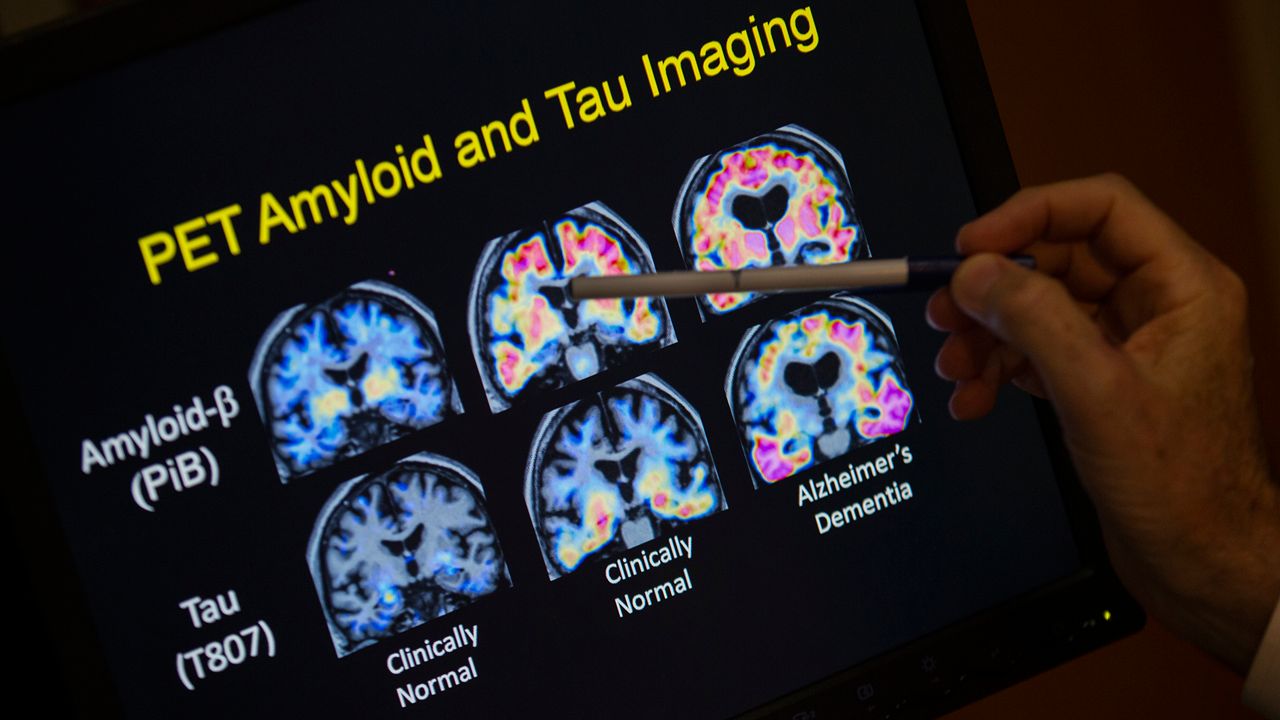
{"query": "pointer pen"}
{"type": "Point", "coordinates": [909, 273]}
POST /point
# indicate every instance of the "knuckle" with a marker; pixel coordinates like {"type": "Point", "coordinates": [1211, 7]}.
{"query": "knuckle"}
{"type": "Point", "coordinates": [1233, 289]}
{"type": "Point", "coordinates": [1028, 293]}
{"type": "Point", "coordinates": [1115, 181]}
{"type": "Point", "coordinates": [1233, 301]}
{"type": "Point", "coordinates": [1021, 194]}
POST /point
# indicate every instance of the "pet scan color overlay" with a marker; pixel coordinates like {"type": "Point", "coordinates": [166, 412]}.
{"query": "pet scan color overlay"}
{"type": "Point", "coordinates": [782, 198]}
{"type": "Point", "coordinates": [615, 470]}
{"type": "Point", "coordinates": [341, 377]}
{"type": "Point", "coordinates": [527, 335]}
{"type": "Point", "coordinates": [815, 384]}
{"type": "Point", "coordinates": [393, 550]}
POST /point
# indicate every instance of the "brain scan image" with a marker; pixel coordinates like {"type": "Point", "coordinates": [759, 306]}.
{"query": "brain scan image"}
{"type": "Point", "coordinates": [338, 378]}
{"type": "Point", "coordinates": [815, 384]}
{"type": "Point", "coordinates": [782, 198]}
{"type": "Point", "coordinates": [527, 335]}
{"type": "Point", "coordinates": [393, 550]}
{"type": "Point", "coordinates": [615, 470]}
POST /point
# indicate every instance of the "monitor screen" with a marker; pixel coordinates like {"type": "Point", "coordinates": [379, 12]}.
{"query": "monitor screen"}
{"type": "Point", "coordinates": [326, 434]}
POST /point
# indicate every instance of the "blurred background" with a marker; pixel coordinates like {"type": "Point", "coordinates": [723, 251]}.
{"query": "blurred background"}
{"type": "Point", "coordinates": [19, 15]}
{"type": "Point", "coordinates": [1184, 99]}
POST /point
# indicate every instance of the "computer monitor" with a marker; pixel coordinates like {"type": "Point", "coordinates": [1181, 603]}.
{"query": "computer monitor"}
{"type": "Point", "coordinates": [313, 427]}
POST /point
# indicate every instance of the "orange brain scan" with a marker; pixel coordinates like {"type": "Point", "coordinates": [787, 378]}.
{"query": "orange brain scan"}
{"type": "Point", "coordinates": [782, 198]}
{"type": "Point", "coordinates": [815, 384]}
{"type": "Point", "coordinates": [615, 470]}
{"type": "Point", "coordinates": [528, 335]}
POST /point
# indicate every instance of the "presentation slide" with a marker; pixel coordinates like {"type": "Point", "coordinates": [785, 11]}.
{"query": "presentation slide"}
{"type": "Point", "coordinates": [328, 436]}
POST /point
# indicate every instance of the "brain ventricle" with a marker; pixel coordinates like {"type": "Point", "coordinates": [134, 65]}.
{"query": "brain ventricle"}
{"type": "Point", "coordinates": [341, 377]}
{"type": "Point", "coordinates": [528, 335]}
{"type": "Point", "coordinates": [401, 547]}
{"type": "Point", "coordinates": [618, 469]}
{"type": "Point", "coordinates": [778, 199]}
{"type": "Point", "coordinates": [815, 384]}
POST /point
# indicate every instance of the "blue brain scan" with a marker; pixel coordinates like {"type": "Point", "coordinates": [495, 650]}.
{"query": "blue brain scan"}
{"type": "Point", "coordinates": [393, 550]}
{"type": "Point", "coordinates": [615, 470]}
{"type": "Point", "coordinates": [528, 335]}
{"type": "Point", "coordinates": [341, 377]}
{"type": "Point", "coordinates": [815, 384]}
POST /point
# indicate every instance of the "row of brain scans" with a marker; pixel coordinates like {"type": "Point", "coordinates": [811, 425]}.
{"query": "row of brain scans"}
{"type": "Point", "coordinates": [337, 378]}
{"type": "Point", "coordinates": [367, 366]}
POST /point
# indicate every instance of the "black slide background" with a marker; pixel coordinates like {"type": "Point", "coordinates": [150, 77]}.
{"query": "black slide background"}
{"type": "Point", "coordinates": [290, 102]}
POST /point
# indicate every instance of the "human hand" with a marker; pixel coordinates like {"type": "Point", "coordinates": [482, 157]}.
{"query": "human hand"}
{"type": "Point", "coordinates": [1138, 338]}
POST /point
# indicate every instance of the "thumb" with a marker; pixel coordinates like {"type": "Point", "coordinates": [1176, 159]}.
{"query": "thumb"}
{"type": "Point", "coordinates": [1034, 314]}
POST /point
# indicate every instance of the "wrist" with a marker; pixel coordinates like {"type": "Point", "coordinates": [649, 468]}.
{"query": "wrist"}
{"type": "Point", "coordinates": [1239, 600]}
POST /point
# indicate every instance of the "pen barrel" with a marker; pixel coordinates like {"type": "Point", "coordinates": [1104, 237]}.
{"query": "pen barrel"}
{"type": "Point", "coordinates": [927, 273]}
{"type": "Point", "coordinates": [915, 273]}
{"type": "Point", "coordinates": [667, 284]}
{"type": "Point", "coordinates": [842, 276]}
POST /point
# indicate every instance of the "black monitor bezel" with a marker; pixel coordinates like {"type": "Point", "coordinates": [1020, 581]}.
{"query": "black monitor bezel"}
{"type": "Point", "coordinates": [1001, 646]}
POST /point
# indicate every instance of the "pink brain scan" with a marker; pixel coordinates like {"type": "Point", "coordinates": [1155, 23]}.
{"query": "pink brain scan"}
{"type": "Point", "coordinates": [528, 336]}
{"type": "Point", "coordinates": [615, 470]}
{"type": "Point", "coordinates": [782, 198]}
{"type": "Point", "coordinates": [816, 384]}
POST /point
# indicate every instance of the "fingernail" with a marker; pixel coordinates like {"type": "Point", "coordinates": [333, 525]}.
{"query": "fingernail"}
{"type": "Point", "coordinates": [972, 281]}
{"type": "Point", "coordinates": [960, 234]}
{"type": "Point", "coordinates": [951, 403]}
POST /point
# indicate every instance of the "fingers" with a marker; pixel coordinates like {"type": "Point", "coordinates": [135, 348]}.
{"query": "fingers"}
{"type": "Point", "coordinates": [980, 364]}
{"type": "Point", "coordinates": [1029, 381]}
{"type": "Point", "coordinates": [1076, 266]}
{"type": "Point", "coordinates": [943, 314]}
{"type": "Point", "coordinates": [972, 399]}
{"type": "Point", "coordinates": [1119, 230]}
{"type": "Point", "coordinates": [1034, 316]}
{"type": "Point", "coordinates": [1109, 264]}
{"type": "Point", "coordinates": [1119, 221]}
{"type": "Point", "coordinates": [964, 354]}
{"type": "Point", "coordinates": [974, 396]}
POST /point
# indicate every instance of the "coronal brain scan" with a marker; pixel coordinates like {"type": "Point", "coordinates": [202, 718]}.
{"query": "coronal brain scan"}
{"type": "Point", "coordinates": [526, 333]}
{"type": "Point", "coordinates": [336, 379]}
{"type": "Point", "coordinates": [782, 198]}
{"type": "Point", "coordinates": [615, 470]}
{"type": "Point", "coordinates": [815, 384]}
{"type": "Point", "coordinates": [394, 550]}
